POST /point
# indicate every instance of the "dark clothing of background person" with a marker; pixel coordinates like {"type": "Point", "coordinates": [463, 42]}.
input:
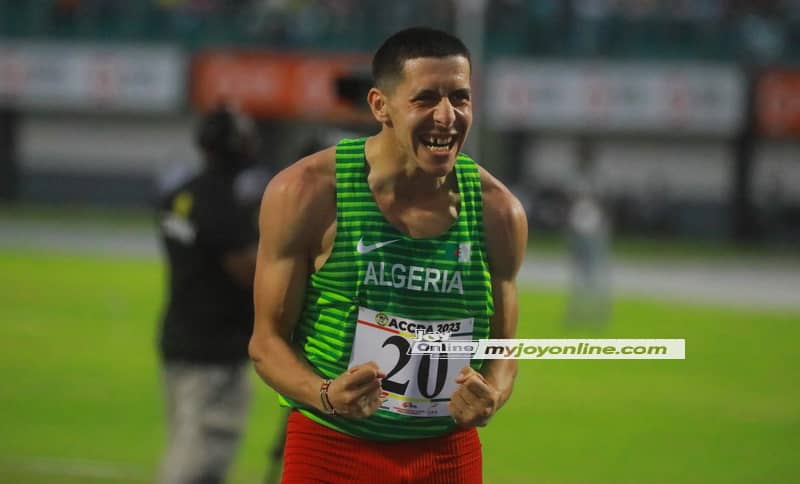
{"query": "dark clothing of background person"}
{"type": "Point", "coordinates": [209, 316]}
{"type": "Point", "coordinates": [208, 226]}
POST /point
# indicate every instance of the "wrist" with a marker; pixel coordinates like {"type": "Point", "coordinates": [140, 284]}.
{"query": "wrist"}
{"type": "Point", "coordinates": [324, 397]}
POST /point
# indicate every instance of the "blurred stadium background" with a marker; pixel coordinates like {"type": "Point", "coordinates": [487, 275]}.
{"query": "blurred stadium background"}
{"type": "Point", "coordinates": [688, 110]}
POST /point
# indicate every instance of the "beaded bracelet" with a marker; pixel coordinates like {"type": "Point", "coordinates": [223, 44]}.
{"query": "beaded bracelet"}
{"type": "Point", "coordinates": [325, 399]}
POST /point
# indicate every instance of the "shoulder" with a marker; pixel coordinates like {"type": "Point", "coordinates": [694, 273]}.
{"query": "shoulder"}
{"type": "Point", "coordinates": [505, 224]}
{"type": "Point", "coordinates": [307, 182]}
{"type": "Point", "coordinates": [501, 207]}
{"type": "Point", "coordinates": [301, 197]}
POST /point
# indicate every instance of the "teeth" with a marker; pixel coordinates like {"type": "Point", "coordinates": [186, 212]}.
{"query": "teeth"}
{"type": "Point", "coordinates": [435, 141]}
{"type": "Point", "coordinates": [439, 148]}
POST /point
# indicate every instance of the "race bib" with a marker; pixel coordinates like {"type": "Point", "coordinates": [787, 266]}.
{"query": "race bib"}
{"type": "Point", "coordinates": [415, 385]}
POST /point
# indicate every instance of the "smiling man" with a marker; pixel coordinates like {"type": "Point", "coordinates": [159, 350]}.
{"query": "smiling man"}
{"type": "Point", "coordinates": [397, 230]}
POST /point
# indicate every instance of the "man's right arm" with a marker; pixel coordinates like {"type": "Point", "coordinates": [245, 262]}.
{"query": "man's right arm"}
{"type": "Point", "coordinates": [282, 268]}
{"type": "Point", "coordinates": [297, 205]}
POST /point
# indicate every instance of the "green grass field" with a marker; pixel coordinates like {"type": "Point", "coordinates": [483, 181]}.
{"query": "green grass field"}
{"type": "Point", "coordinates": [80, 398]}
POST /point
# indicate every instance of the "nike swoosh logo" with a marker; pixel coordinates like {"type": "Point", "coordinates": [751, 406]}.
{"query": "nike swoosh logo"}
{"type": "Point", "coordinates": [364, 249]}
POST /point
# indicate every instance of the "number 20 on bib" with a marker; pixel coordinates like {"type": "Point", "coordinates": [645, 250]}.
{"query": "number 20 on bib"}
{"type": "Point", "coordinates": [415, 385]}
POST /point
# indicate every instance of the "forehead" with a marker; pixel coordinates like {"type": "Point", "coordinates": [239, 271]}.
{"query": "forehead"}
{"type": "Point", "coordinates": [452, 72]}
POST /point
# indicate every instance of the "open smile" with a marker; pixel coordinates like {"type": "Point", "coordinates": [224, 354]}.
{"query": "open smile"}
{"type": "Point", "coordinates": [439, 144]}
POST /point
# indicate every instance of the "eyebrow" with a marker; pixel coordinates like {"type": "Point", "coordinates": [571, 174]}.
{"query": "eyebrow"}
{"type": "Point", "coordinates": [424, 93]}
{"type": "Point", "coordinates": [464, 91]}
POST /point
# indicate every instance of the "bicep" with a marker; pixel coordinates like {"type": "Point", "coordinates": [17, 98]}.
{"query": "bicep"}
{"type": "Point", "coordinates": [281, 267]}
{"type": "Point", "coordinates": [506, 240]}
{"type": "Point", "coordinates": [504, 319]}
{"type": "Point", "coordinates": [279, 290]}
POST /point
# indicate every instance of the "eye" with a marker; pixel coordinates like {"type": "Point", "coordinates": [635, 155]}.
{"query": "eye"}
{"type": "Point", "coordinates": [459, 98]}
{"type": "Point", "coordinates": [426, 98]}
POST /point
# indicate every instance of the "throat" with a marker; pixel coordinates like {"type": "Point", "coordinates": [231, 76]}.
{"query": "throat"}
{"type": "Point", "coordinates": [414, 187]}
{"type": "Point", "coordinates": [424, 217]}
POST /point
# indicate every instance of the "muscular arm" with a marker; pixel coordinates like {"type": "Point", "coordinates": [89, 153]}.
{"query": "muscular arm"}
{"type": "Point", "coordinates": [506, 229]}
{"type": "Point", "coordinates": [480, 395]}
{"type": "Point", "coordinates": [298, 206]}
{"type": "Point", "coordinates": [291, 211]}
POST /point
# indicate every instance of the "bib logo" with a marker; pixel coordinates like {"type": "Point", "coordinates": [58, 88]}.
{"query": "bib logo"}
{"type": "Point", "coordinates": [412, 326]}
{"type": "Point", "coordinates": [415, 278]}
{"type": "Point", "coordinates": [382, 319]}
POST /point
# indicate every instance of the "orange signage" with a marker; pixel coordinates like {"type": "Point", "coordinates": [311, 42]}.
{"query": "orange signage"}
{"type": "Point", "coordinates": [277, 85]}
{"type": "Point", "coordinates": [778, 103]}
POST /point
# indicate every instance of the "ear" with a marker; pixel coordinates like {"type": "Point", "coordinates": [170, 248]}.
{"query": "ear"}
{"type": "Point", "coordinates": [378, 105]}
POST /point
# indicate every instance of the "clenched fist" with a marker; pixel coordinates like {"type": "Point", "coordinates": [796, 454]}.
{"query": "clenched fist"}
{"type": "Point", "coordinates": [475, 401]}
{"type": "Point", "coordinates": [356, 393]}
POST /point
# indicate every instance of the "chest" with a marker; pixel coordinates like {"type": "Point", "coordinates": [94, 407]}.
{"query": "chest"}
{"type": "Point", "coordinates": [423, 218]}
{"type": "Point", "coordinates": [426, 219]}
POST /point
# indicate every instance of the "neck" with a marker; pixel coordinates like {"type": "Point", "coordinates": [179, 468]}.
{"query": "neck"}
{"type": "Point", "coordinates": [391, 171]}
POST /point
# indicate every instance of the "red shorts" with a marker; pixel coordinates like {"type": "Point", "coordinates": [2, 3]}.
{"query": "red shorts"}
{"type": "Point", "coordinates": [315, 453]}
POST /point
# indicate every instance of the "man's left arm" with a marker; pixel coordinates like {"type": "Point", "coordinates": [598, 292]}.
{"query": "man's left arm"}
{"type": "Point", "coordinates": [481, 394]}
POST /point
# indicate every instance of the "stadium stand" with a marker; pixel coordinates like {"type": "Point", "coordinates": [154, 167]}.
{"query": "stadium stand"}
{"type": "Point", "coordinates": [724, 30]}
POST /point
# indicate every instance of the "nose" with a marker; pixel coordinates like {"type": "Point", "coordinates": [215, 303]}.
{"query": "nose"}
{"type": "Point", "coordinates": [444, 114]}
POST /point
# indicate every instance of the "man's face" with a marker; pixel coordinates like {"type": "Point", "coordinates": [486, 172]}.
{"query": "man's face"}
{"type": "Point", "coordinates": [430, 111]}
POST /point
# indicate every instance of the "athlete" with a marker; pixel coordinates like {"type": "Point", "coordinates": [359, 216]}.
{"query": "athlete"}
{"type": "Point", "coordinates": [363, 245]}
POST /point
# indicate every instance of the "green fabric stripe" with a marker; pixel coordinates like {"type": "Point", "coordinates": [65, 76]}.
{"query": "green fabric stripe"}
{"type": "Point", "coordinates": [326, 329]}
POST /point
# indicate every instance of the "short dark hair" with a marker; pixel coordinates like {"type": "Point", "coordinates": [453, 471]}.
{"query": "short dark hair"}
{"type": "Point", "coordinates": [413, 43]}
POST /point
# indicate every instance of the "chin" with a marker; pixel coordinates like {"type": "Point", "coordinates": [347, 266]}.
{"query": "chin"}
{"type": "Point", "coordinates": [437, 165]}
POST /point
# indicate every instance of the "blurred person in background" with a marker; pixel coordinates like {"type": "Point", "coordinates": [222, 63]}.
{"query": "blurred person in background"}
{"type": "Point", "coordinates": [208, 226]}
{"type": "Point", "coordinates": [587, 237]}
{"type": "Point", "coordinates": [399, 226]}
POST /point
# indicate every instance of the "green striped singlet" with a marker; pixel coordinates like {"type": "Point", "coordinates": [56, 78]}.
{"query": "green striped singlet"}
{"type": "Point", "coordinates": [384, 284]}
